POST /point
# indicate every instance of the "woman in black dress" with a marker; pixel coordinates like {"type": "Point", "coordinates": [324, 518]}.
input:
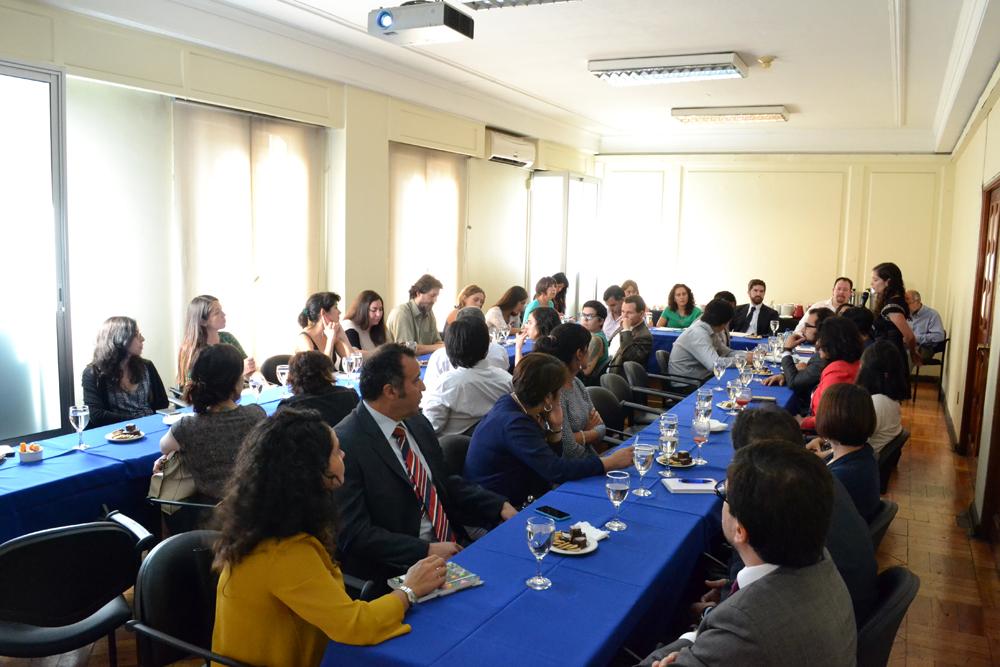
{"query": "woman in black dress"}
{"type": "Point", "coordinates": [891, 312]}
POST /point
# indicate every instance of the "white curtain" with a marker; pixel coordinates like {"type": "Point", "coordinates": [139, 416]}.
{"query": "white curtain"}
{"type": "Point", "coordinates": [426, 210]}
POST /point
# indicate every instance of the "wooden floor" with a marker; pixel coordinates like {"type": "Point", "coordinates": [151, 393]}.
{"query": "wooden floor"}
{"type": "Point", "coordinates": [955, 619]}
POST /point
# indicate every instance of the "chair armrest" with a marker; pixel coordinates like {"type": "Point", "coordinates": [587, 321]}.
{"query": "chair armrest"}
{"type": "Point", "coordinates": [679, 379]}
{"type": "Point", "coordinates": [612, 434]}
{"type": "Point", "coordinates": [364, 587]}
{"type": "Point", "coordinates": [180, 403]}
{"type": "Point", "coordinates": [660, 394]}
{"type": "Point", "coordinates": [180, 644]}
{"type": "Point", "coordinates": [143, 538]}
{"type": "Point", "coordinates": [180, 503]}
{"type": "Point", "coordinates": [642, 408]}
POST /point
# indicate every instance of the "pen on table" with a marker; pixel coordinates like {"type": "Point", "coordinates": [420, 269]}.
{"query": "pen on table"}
{"type": "Point", "coordinates": [695, 480]}
{"type": "Point", "coordinates": [770, 399]}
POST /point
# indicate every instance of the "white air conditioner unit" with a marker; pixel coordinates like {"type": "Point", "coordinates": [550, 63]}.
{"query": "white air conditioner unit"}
{"type": "Point", "coordinates": [507, 149]}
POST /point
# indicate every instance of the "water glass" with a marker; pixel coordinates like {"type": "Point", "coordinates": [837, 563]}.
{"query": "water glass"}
{"type": "Point", "coordinates": [740, 359]}
{"type": "Point", "coordinates": [540, 532]}
{"type": "Point", "coordinates": [79, 416]}
{"type": "Point", "coordinates": [746, 376]}
{"type": "Point", "coordinates": [256, 385]}
{"type": "Point", "coordinates": [700, 428]}
{"type": "Point", "coordinates": [668, 424]}
{"type": "Point", "coordinates": [617, 483]}
{"type": "Point", "coordinates": [719, 369]}
{"type": "Point", "coordinates": [642, 457]}
{"type": "Point", "coordinates": [281, 372]}
{"type": "Point", "coordinates": [668, 446]}
{"type": "Point", "coordinates": [357, 360]}
{"type": "Point", "coordinates": [703, 404]}
{"type": "Point", "coordinates": [775, 325]}
{"type": "Point", "coordinates": [733, 388]}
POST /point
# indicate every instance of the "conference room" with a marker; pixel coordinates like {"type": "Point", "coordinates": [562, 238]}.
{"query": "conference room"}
{"type": "Point", "coordinates": [306, 182]}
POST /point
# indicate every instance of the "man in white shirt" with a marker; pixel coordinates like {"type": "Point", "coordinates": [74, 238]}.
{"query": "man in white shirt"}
{"type": "Point", "coordinates": [695, 351]}
{"type": "Point", "coordinates": [842, 287]}
{"type": "Point", "coordinates": [439, 363]}
{"type": "Point", "coordinates": [463, 395]}
{"type": "Point", "coordinates": [926, 324]}
{"type": "Point", "coordinates": [614, 296]}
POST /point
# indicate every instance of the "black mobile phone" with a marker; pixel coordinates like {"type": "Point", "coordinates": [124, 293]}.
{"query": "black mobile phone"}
{"type": "Point", "coordinates": [552, 513]}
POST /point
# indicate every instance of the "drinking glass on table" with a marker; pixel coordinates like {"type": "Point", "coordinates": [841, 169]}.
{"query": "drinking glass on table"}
{"type": "Point", "coordinates": [256, 385]}
{"type": "Point", "coordinates": [703, 402]}
{"type": "Point", "coordinates": [719, 369]}
{"type": "Point", "coordinates": [668, 423]}
{"type": "Point", "coordinates": [668, 446]}
{"type": "Point", "coordinates": [775, 325]}
{"type": "Point", "coordinates": [743, 398]}
{"type": "Point", "coordinates": [616, 484]}
{"type": "Point", "coordinates": [79, 416]}
{"type": "Point", "coordinates": [733, 388]}
{"type": "Point", "coordinates": [740, 359]}
{"type": "Point", "coordinates": [700, 428]}
{"type": "Point", "coordinates": [540, 532]}
{"type": "Point", "coordinates": [642, 457]}
{"type": "Point", "coordinates": [281, 372]}
{"type": "Point", "coordinates": [358, 360]}
{"type": "Point", "coordinates": [746, 376]}
{"type": "Point", "coordinates": [774, 347]}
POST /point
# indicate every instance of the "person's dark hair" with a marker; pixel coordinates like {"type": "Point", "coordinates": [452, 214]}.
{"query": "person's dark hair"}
{"type": "Point", "coordinates": [536, 376]}
{"type": "Point", "coordinates": [546, 319]}
{"type": "Point", "coordinates": [839, 340]}
{"type": "Point", "coordinates": [359, 317]}
{"type": "Point", "coordinates": [543, 285]}
{"type": "Point", "coordinates": [315, 305]}
{"type": "Point", "coordinates": [672, 301]}
{"type": "Point", "coordinates": [602, 310]}
{"type": "Point", "coordinates": [849, 281]}
{"type": "Point", "coordinates": [214, 375]}
{"type": "Point", "coordinates": [511, 298]}
{"type": "Point", "coordinates": [754, 282]}
{"type": "Point", "coordinates": [111, 349]}
{"type": "Point", "coordinates": [309, 372]}
{"type": "Point", "coordinates": [862, 317]}
{"type": "Point", "coordinates": [882, 371]}
{"type": "Point", "coordinates": [841, 308]}
{"type": "Point", "coordinates": [278, 487]}
{"type": "Point", "coordinates": [782, 494]}
{"type": "Point", "coordinates": [821, 314]}
{"type": "Point", "coordinates": [425, 283]}
{"type": "Point", "coordinates": [846, 414]}
{"type": "Point", "coordinates": [559, 302]}
{"type": "Point", "coordinates": [384, 366]}
{"type": "Point", "coordinates": [726, 296]}
{"type": "Point", "coordinates": [466, 342]}
{"type": "Point", "coordinates": [893, 276]}
{"type": "Point", "coordinates": [637, 301]}
{"type": "Point", "coordinates": [717, 312]}
{"type": "Point", "coordinates": [767, 423]}
{"type": "Point", "coordinates": [471, 313]}
{"type": "Point", "coordinates": [614, 292]}
{"type": "Point", "coordinates": [564, 342]}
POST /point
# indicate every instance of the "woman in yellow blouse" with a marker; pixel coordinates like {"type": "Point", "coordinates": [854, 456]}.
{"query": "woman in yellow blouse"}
{"type": "Point", "coordinates": [281, 596]}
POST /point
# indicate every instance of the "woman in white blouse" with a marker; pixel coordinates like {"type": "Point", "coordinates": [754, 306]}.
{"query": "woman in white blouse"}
{"type": "Point", "coordinates": [364, 323]}
{"type": "Point", "coordinates": [883, 375]}
{"type": "Point", "coordinates": [506, 313]}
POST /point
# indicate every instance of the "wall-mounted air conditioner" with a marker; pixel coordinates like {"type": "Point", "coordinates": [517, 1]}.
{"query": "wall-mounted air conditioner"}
{"type": "Point", "coordinates": [507, 149]}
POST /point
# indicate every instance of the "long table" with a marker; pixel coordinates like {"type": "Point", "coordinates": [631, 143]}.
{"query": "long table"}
{"type": "Point", "coordinates": [596, 600]}
{"type": "Point", "coordinates": [665, 337]}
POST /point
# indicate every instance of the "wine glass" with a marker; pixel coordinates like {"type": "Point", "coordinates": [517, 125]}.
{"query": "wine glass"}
{"type": "Point", "coordinates": [775, 325]}
{"type": "Point", "coordinates": [79, 416]}
{"type": "Point", "coordinates": [347, 363]}
{"type": "Point", "coordinates": [668, 423]}
{"type": "Point", "coordinates": [719, 369]}
{"type": "Point", "coordinates": [617, 484]}
{"type": "Point", "coordinates": [740, 359]}
{"type": "Point", "coordinates": [642, 457]}
{"type": "Point", "coordinates": [700, 428]}
{"type": "Point", "coordinates": [256, 385]}
{"type": "Point", "coordinates": [281, 372]}
{"type": "Point", "coordinates": [733, 387]}
{"type": "Point", "coordinates": [358, 360]}
{"type": "Point", "coordinates": [540, 532]}
{"type": "Point", "coordinates": [746, 376]}
{"type": "Point", "coordinates": [668, 446]}
{"type": "Point", "coordinates": [743, 398]}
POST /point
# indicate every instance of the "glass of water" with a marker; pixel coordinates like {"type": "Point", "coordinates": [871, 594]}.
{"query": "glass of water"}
{"type": "Point", "coordinates": [358, 360]}
{"type": "Point", "coordinates": [540, 532]}
{"type": "Point", "coordinates": [642, 457]}
{"type": "Point", "coordinates": [746, 376]}
{"type": "Point", "coordinates": [668, 446]}
{"type": "Point", "coordinates": [703, 403]}
{"type": "Point", "coordinates": [775, 325]}
{"type": "Point", "coordinates": [700, 428]}
{"type": "Point", "coordinates": [281, 372]}
{"type": "Point", "coordinates": [740, 359]}
{"type": "Point", "coordinates": [719, 369]}
{"type": "Point", "coordinates": [79, 417]}
{"type": "Point", "coordinates": [617, 483]}
{"type": "Point", "coordinates": [733, 388]}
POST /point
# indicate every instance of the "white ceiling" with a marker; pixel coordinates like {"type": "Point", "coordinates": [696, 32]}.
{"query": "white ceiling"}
{"type": "Point", "coordinates": [857, 75]}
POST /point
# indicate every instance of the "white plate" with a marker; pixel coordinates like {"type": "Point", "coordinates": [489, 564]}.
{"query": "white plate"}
{"type": "Point", "coordinates": [662, 460]}
{"type": "Point", "coordinates": [726, 405]}
{"type": "Point", "coordinates": [591, 546]}
{"type": "Point", "coordinates": [139, 436]}
{"type": "Point", "coordinates": [717, 426]}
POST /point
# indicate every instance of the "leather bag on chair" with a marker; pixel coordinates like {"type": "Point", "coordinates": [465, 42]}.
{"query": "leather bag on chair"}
{"type": "Point", "coordinates": [173, 483]}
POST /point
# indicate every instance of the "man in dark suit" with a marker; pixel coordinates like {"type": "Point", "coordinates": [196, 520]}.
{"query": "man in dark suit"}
{"type": "Point", "coordinates": [633, 341]}
{"type": "Point", "coordinates": [398, 503]}
{"type": "Point", "coordinates": [790, 606]}
{"type": "Point", "coordinates": [802, 377]}
{"type": "Point", "coordinates": [754, 317]}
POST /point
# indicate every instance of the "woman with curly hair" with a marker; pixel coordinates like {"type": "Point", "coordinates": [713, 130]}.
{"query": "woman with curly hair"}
{"type": "Point", "coordinates": [281, 594]}
{"type": "Point", "coordinates": [119, 384]}
{"type": "Point", "coordinates": [681, 311]}
{"type": "Point", "coordinates": [364, 322]}
{"type": "Point", "coordinates": [311, 376]}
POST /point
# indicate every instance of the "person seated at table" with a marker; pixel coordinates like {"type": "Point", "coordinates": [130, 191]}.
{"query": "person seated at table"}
{"type": "Point", "coordinates": [516, 451]}
{"type": "Point", "coordinates": [398, 502]}
{"type": "Point", "coordinates": [414, 321]}
{"type": "Point", "coordinates": [310, 375]}
{"type": "Point", "coordinates": [926, 325]}
{"type": "Point", "coordinates": [440, 362]}
{"type": "Point", "coordinates": [754, 318]}
{"type": "Point", "coordinates": [118, 384]}
{"type": "Point", "coordinates": [321, 328]}
{"type": "Point", "coordinates": [791, 607]}
{"type": "Point", "coordinates": [462, 396]}
{"type": "Point", "coordinates": [864, 320]}
{"type": "Point", "coordinates": [633, 342]}
{"type": "Point", "coordinates": [695, 351]}
{"type": "Point", "coordinates": [730, 298]}
{"type": "Point", "coordinates": [681, 310]}
{"type": "Point", "coordinates": [506, 313]}
{"type": "Point", "coordinates": [802, 377]}
{"type": "Point", "coordinates": [613, 297]}
{"type": "Point", "coordinates": [582, 427]}
{"type": "Point", "coordinates": [209, 440]}
{"type": "Point", "coordinates": [280, 596]}
{"type": "Point", "coordinates": [842, 288]}
{"type": "Point", "coordinates": [364, 325]}
{"type": "Point", "coordinates": [539, 323]}
{"type": "Point", "coordinates": [839, 344]}
{"type": "Point", "coordinates": [883, 375]}
{"type": "Point", "coordinates": [562, 286]}
{"type": "Point", "coordinates": [630, 288]}
{"type": "Point", "coordinates": [846, 419]}
{"type": "Point", "coordinates": [471, 296]}
{"type": "Point", "coordinates": [545, 291]}
{"type": "Point", "coordinates": [203, 326]}
{"type": "Point", "coordinates": [592, 318]}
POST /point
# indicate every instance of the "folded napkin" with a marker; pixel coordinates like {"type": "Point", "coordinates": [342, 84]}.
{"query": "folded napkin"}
{"type": "Point", "coordinates": [593, 534]}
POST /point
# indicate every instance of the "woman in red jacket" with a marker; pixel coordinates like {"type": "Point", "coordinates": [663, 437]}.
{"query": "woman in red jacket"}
{"type": "Point", "coordinates": [840, 344]}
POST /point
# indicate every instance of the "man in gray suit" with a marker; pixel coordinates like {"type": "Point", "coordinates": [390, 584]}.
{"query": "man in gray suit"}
{"type": "Point", "coordinates": [790, 606]}
{"type": "Point", "coordinates": [633, 341]}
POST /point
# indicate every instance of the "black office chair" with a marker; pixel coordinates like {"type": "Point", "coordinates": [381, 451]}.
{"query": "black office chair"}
{"type": "Point", "coordinates": [888, 458]}
{"type": "Point", "coordinates": [62, 587]}
{"type": "Point", "coordinates": [189, 514]}
{"type": "Point", "coordinates": [610, 410]}
{"type": "Point", "coordinates": [678, 384]}
{"type": "Point", "coordinates": [939, 348]}
{"type": "Point", "coordinates": [638, 379]}
{"type": "Point", "coordinates": [594, 379]}
{"type": "Point", "coordinates": [455, 448]}
{"type": "Point", "coordinates": [638, 414]}
{"type": "Point", "coordinates": [268, 368]}
{"type": "Point", "coordinates": [879, 524]}
{"type": "Point", "coordinates": [897, 587]}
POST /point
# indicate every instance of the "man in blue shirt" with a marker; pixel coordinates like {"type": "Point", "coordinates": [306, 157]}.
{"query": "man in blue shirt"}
{"type": "Point", "coordinates": [926, 325]}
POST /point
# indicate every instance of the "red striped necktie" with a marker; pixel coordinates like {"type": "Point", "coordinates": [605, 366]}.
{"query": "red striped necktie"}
{"type": "Point", "coordinates": [424, 488]}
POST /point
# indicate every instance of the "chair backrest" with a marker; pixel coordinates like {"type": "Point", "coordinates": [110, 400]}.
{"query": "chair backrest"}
{"type": "Point", "coordinates": [617, 385]}
{"type": "Point", "coordinates": [267, 369]}
{"type": "Point", "coordinates": [76, 570]}
{"type": "Point", "coordinates": [636, 374]}
{"type": "Point", "coordinates": [879, 524]}
{"type": "Point", "coordinates": [939, 348]}
{"type": "Point", "coordinates": [663, 361]}
{"type": "Point", "coordinates": [897, 587]}
{"type": "Point", "coordinates": [608, 406]}
{"type": "Point", "coordinates": [175, 594]}
{"type": "Point", "coordinates": [455, 448]}
{"type": "Point", "coordinates": [888, 457]}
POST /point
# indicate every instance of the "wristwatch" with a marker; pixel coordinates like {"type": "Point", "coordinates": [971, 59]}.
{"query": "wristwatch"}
{"type": "Point", "coordinates": [410, 595]}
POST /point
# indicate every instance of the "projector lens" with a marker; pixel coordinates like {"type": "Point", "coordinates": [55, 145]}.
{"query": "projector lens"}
{"type": "Point", "coordinates": [384, 19]}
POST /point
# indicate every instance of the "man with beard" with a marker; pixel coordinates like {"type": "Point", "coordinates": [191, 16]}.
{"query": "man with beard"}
{"type": "Point", "coordinates": [414, 320]}
{"type": "Point", "coordinates": [754, 318]}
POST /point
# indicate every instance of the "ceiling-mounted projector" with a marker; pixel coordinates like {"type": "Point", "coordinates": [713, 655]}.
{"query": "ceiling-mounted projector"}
{"type": "Point", "coordinates": [420, 23]}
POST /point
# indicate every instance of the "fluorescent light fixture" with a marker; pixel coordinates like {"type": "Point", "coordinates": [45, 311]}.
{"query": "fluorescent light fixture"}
{"type": "Point", "coordinates": [497, 4]}
{"type": "Point", "coordinates": [665, 69]}
{"type": "Point", "coordinates": [760, 114]}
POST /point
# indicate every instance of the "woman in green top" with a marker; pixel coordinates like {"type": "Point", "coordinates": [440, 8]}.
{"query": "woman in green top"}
{"type": "Point", "coordinates": [202, 327]}
{"type": "Point", "coordinates": [545, 292]}
{"type": "Point", "coordinates": [680, 312]}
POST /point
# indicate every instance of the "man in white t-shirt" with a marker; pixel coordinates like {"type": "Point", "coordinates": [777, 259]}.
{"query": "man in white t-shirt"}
{"type": "Point", "coordinates": [842, 287]}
